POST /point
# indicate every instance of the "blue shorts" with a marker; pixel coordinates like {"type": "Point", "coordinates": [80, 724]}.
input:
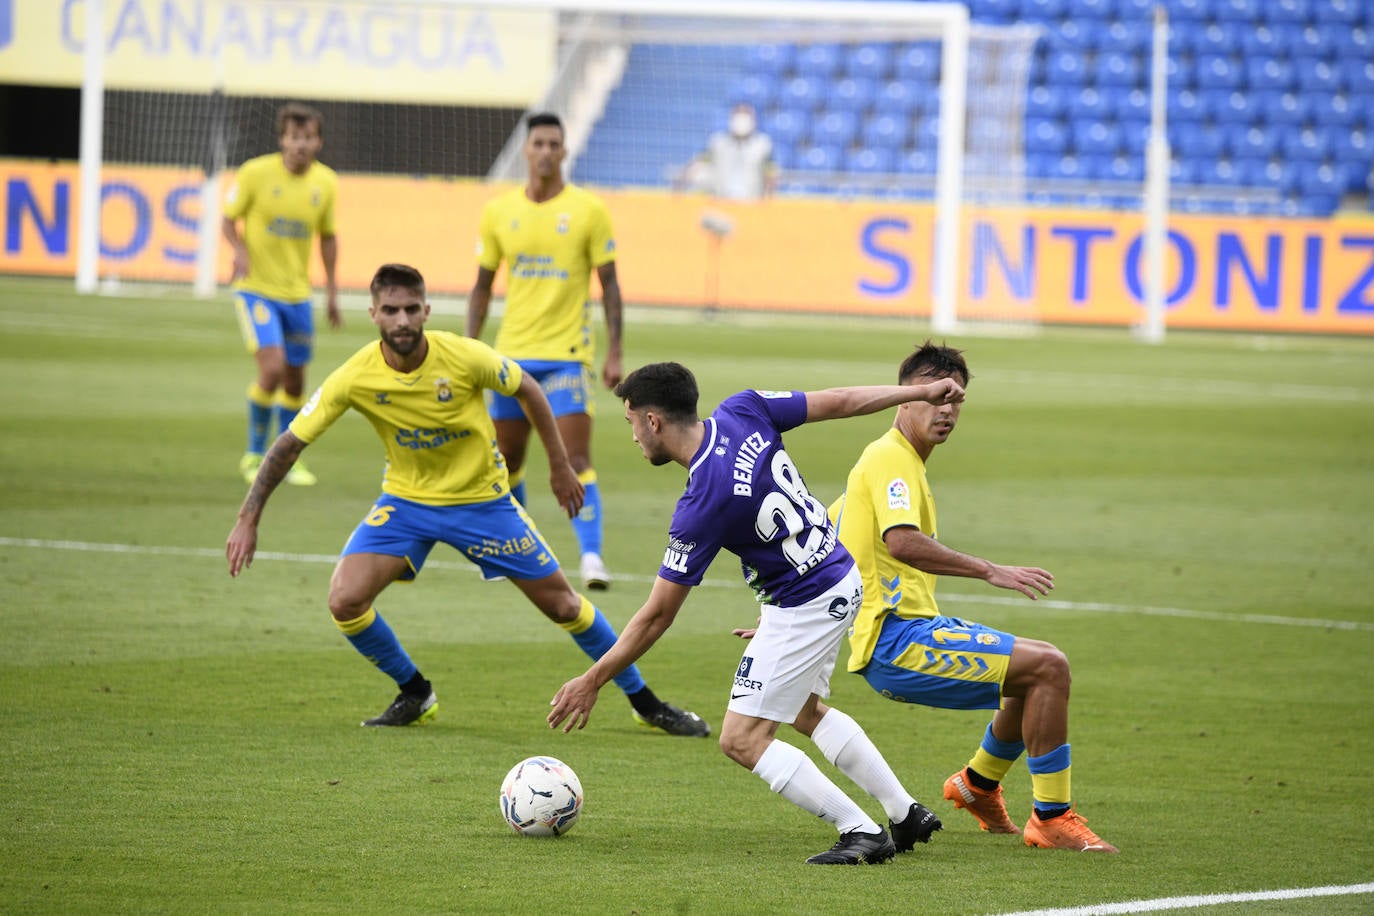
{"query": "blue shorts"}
{"type": "Point", "coordinates": [940, 661]}
{"type": "Point", "coordinates": [567, 385]}
{"type": "Point", "coordinates": [269, 323]}
{"type": "Point", "coordinates": [496, 535]}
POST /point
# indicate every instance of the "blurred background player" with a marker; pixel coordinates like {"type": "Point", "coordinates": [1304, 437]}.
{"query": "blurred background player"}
{"type": "Point", "coordinates": [422, 393]}
{"type": "Point", "coordinates": [909, 652]}
{"type": "Point", "coordinates": [552, 235]}
{"type": "Point", "coordinates": [744, 494]}
{"type": "Point", "coordinates": [284, 199]}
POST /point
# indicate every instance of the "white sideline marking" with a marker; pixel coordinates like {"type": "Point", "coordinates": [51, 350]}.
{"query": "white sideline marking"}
{"type": "Point", "coordinates": [956, 598]}
{"type": "Point", "coordinates": [1200, 900]}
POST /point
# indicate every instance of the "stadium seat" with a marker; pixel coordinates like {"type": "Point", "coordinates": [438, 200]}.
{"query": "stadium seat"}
{"type": "Point", "coordinates": [1219, 71]}
{"type": "Point", "coordinates": [1135, 10]}
{"type": "Point", "coordinates": [886, 131]}
{"type": "Point", "coordinates": [1116, 70]}
{"type": "Point", "coordinates": [919, 61]}
{"type": "Point", "coordinates": [1218, 38]}
{"type": "Point", "coordinates": [1095, 138]}
{"type": "Point", "coordinates": [1252, 142]}
{"type": "Point", "coordinates": [1197, 141]}
{"type": "Point", "coordinates": [1048, 101]}
{"type": "Point", "coordinates": [1131, 106]}
{"type": "Point", "coordinates": [1221, 172]}
{"type": "Point", "coordinates": [1065, 67]}
{"type": "Point", "coordinates": [917, 162]}
{"type": "Point", "coordinates": [1316, 75]}
{"type": "Point", "coordinates": [1261, 42]}
{"type": "Point", "coordinates": [1304, 144]}
{"type": "Point", "coordinates": [853, 94]}
{"type": "Point", "coordinates": [1124, 168]}
{"type": "Point", "coordinates": [1069, 166]}
{"type": "Point", "coordinates": [1268, 73]}
{"type": "Point", "coordinates": [1126, 37]}
{"type": "Point", "coordinates": [897, 97]}
{"type": "Point", "coordinates": [1186, 105]}
{"type": "Point", "coordinates": [1134, 135]}
{"type": "Point", "coordinates": [775, 59]}
{"type": "Point", "coordinates": [869, 61]}
{"type": "Point", "coordinates": [1041, 165]}
{"type": "Point", "coordinates": [1346, 42]}
{"type": "Point", "coordinates": [1343, 12]}
{"type": "Point", "coordinates": [1230, 106]}
{"type": "Point", "coordinates": [835, 128]}
{"type": "Point", "coordinates": [818, 60]}
{"type": "Point", "coordinates": [1287, 11]}
{"type": "Point", "coordinates": [787, 126]}
{"type": "Point", "coordinates": [1044, 10]}
{"type": "Point", "coordinates": [994, 11]}
{"type": "Point", "coordinates": [1090, 105]}
{"type": "Point", "coordinates": [1242, 11]}
{"type": "Point", "coordinates": [1359, 76]}
{"type": "Point", "coordinates": [869, 161]}
{"type": "Point", "coordinates": [1044, 135]}
{"type": "Point", "coordinates": [1285, 109]}
{"type": "Point", "coordinates": [814, 158]}
{"type": "Point", "coordinates": [803, 92]}
{"type": "Point", "coordinates": [927, 132]}
{"type": "Point", "coordinates": [1332, 110]}
{"type": "Point", "coordinates": [1189, 10]}
{"type": "Point", "coordinates": [756, 89]}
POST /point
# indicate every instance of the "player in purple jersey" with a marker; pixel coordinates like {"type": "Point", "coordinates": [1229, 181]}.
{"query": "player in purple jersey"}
{"type": "Point", "coordinates": [744, 494]}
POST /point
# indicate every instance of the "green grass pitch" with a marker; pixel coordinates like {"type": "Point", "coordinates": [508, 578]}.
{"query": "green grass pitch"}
{"type": "Point", "coordinates": [177, 741]}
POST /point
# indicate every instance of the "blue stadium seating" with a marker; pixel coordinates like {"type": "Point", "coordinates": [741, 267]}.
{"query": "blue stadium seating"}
{"type": "Point", "coordinates": [1275, 95]}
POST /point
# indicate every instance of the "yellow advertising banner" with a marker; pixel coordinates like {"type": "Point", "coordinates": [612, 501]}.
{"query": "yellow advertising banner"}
{"type": "Point", "coordinates": [365, 50]}
{"type": "Point", "coordinates": [794, 254]}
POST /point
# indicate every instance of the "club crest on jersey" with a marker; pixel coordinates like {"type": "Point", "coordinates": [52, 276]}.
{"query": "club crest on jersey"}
{"type": "Point", "coordinates": [442, 391]}
{"type": "Point", "coordinates": [987, 639]}
{"type": "Point", "coordinates": [898, 494]}
{"type": "Point", "coordinates": [564, 221]}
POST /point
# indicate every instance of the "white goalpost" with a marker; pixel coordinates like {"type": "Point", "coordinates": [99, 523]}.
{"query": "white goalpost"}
{"type": "Point", "coordinates": [582, 59]}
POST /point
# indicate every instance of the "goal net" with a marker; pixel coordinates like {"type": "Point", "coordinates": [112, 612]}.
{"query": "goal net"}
{"type": "Point", "coordinates": [889, 127]}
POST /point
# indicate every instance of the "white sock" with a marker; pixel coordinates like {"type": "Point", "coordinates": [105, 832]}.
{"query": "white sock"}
{"type": "Point", "coordinates": [791, 774]}
{"type": "Point", "coordinates": [844, 743]}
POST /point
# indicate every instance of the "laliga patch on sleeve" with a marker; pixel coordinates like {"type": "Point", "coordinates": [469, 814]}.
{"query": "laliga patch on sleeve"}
{"type": "Point", "coordinates": [898, 494]}
{"type": "Point", "coordinates": [772, 395]}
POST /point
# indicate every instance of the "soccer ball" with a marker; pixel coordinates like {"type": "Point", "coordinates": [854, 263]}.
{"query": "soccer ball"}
{"type": "Point", "coordinates": [541, 796]}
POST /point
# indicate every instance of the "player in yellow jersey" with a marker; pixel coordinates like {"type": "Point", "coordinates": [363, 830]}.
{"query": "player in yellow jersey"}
{"type": "Point", "coordinates": [284, 199]}
{"type": "Point", "coordinates": [552, 236]}
{"type": "Point", "coordinates": [444, 481]}
{"type": "Point", "coordinates": [908, 651]}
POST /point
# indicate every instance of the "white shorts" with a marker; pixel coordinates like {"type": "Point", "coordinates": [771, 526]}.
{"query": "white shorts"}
{"type": "Point", "coordinates": [794, 652]}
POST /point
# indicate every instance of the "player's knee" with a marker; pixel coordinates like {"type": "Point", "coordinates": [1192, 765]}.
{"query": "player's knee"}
{"type": "Point", "coordinates": [346, 604]}
{"type": "Point", "coordinates": [564, 608]}
{"type": "Point", "coordinates": [1054, 668]}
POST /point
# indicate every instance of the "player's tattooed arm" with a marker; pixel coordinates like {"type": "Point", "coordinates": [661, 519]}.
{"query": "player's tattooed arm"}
{"type": "Point", "coordinates": [278, 460]}
{"type": "Point", "coordinates": [243, 540]}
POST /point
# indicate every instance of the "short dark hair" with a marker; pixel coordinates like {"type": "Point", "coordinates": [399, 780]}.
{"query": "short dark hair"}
{"type": "Point", "coordinates": [934, 361]}
{"type": "Point", "coordinates": [402, 276]}
{"type": "Point", "coordinates": [669, 387]}
{"type": "Point", "coordinates": [300, 114]}
{"type": "Point", "coordinates": [544, 119]}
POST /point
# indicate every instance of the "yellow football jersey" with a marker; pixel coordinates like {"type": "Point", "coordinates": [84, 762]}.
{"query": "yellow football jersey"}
{"type": "Point", "coordinates": [281, 214]}
{"type": "Point", "coordinates": [886, 488]}
{"type": "Point", "coordinates": [440, 442]}
{"type": "Point", "coordinates": [550, 250]}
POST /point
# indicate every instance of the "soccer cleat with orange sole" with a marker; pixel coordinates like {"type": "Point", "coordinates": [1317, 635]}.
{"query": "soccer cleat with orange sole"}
{"type": "Point", "coordinates": [1067, 831]}
{"type": "Point", "coordinates": [982, 804]}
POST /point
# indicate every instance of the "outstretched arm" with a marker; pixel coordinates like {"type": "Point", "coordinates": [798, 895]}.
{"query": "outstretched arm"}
{"type": "Point", "coordinates": [837, 403]}
{"type": "Point", "coordinates": [562, 478]}
{"type": "Point", "coordinates": [479, 300]}
{"type": "Point", "coordinates": [243, 540]}
{"type": "Point", "coordinates": [575, 699]}
{"type": "Point", "coordinates": [914, 548]}
{"type": "Point", "coordinates": [611, 304]}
